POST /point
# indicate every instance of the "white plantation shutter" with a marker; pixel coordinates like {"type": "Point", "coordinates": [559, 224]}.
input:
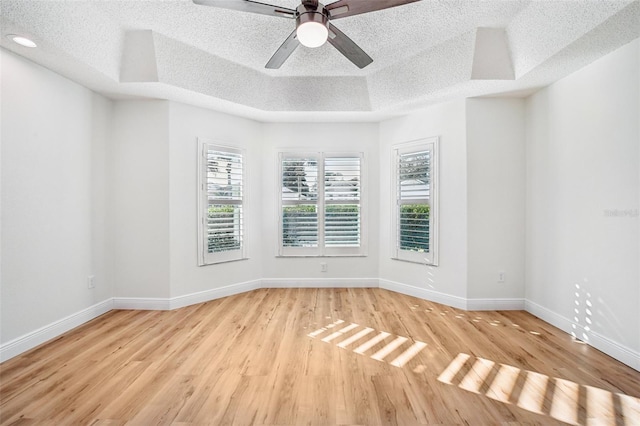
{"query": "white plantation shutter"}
{"type": "Point", "coordinates": [320, 204]}
{"type": "Point", "coordinates": [299, 199]}
{"type": "Point", "coordinates": [342, 201]}
{"type": "Point", "coordinates": [221, 204]}
{"type": "Point", "coordinates": [415, 210]}
{"type": "Point", "coordinates": [414, 201]}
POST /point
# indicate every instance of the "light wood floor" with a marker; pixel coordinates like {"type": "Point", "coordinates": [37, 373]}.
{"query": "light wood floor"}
{"type": "Point", "coordinates": [308, 356]}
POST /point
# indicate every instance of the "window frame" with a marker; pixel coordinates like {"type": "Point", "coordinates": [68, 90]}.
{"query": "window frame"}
{"type": "Point", "coordinates": [204, 256]}
{"type": "Point", "coordinates": [322, 250]}
{"type": "Point", "coordinates": [430, 144]}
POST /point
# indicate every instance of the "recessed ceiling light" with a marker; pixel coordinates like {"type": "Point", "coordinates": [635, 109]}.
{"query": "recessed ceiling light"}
{"type": "Point", "coordinates": [22, 41]}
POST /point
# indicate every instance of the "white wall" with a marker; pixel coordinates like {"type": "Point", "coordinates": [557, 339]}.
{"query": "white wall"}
{"type": "Point", "coordinates": [448, 122]}
{"type": "Point", "coordinates": [155, 163]}
{"type": "Point", "coordinates": [637, 43]}
{"type": "Point", "coordinates": [155, 192]}
{"type": "Point", "coordinates": [187, 124]}
{"type": "Point", "coordinates": [55, 137]}
{"type": "Point", "coordinates": [102, 202]}
{"type": "Point", "coordinates": [333, 137]}
{"type": "Point", "coordinates": [141, 199]}
{"type": "Point", "coordinates": [119, 199]}
{"type": "Point", "coordinates": [582, 166]}
{"type": "Point", "coordinates": [496, 197]}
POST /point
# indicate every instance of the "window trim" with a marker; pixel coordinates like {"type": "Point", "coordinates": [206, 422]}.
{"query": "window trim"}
{"type": "Point", "coordinates": [426, 144]}
{"type": "Point", "coordinates": [204, 257]}
{"type": "Point", "coordinates": [322, 250]}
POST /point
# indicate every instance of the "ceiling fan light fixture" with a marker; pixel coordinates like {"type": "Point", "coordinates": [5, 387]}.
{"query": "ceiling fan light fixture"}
{"type": "Point", "coordinates": [312, 26]}
{"type": "Point", "coordinates": [312, 34]}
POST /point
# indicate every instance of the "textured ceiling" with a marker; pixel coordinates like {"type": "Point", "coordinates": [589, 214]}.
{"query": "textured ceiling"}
{"type": "Point", "coordinates": [424, 52]}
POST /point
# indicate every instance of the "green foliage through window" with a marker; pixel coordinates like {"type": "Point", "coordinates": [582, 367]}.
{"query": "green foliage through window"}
{"type": "Point", "coordinates": [300, 226]}
{"type": "Point", "coordinates": [342, 225]}
{"type": "Point", "coordinates": [414, 227]}
{"type": "Point", "coordinates": [222, 229]}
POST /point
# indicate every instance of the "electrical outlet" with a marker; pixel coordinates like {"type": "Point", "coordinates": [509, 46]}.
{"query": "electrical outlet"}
{"type": "Point", "coordinates": [323, 267]}
{"type": "Point", "coordinates": [501, 276]}
{"type": "Point", "coordinates": [90, 282]}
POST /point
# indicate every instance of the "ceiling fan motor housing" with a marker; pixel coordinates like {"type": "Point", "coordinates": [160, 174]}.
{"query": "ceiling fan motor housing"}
{"type": "Point", "coordinates": [307, 13]}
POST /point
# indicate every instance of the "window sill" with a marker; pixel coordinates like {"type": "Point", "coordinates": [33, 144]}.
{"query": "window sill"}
{"type": "Point", "coordinates": [417, 262]}
{"type": "Point", "coordinates": [319, 255]}
{"type": "Point", "coordinates": [218, 262]}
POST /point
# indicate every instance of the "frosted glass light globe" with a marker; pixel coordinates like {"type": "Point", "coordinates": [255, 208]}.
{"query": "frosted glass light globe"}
{"type": "Point", "coordinates": [312, 34]}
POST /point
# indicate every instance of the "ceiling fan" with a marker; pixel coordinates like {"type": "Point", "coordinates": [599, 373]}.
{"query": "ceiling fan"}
{"type": "Point", "coordinates": [313, 24]}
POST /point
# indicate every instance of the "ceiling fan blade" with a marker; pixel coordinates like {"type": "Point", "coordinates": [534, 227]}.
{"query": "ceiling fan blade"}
{"type": "Point", "coordinates": [344, 8]}
{"type": "Point", "coordinates": [283, 52]}
{"type": "Point", "coordinates": [250, 6]}
{"type": "Point", "coordinates": [348, 48]}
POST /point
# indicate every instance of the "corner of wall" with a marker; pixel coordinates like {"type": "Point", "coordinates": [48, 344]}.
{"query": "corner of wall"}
{"type": "Point", "coordinates": [495, 197]}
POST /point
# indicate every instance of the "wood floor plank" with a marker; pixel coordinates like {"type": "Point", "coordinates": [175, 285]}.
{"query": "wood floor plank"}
{"type": "Point", "coordinates": [317, 357]}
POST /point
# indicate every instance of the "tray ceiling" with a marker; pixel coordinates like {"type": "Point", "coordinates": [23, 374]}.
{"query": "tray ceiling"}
{"type": "Point", "coordinates": [424, 52]}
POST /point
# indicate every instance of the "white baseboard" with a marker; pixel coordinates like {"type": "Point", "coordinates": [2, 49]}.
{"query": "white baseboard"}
{"type": "Point", "coordinates": [423, 293]}
{"type": "Point", "coordinates": [495, 304]}
{"type": "Point", "coordinates": [320, 283]}
{"type": "Point", "coordinates": [614, 349]}
{"type": "Point", "coordinates": [215, 293]}
{"type": "Point", "coordinates": [37, 337]}
{"type": "Point", "coordinates": [166, 304]}
{"type": "Point", "coordinates": [514, 304]}
{"type": "Point", "coordinates": [30, 340]}
{"type": "Point", "coordinates": [142, 303]}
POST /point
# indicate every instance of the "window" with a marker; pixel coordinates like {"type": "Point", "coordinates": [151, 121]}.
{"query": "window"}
{"type": "Point", "coordinates": [321, 205]}
{"type": "Point", "coordinates": [221, 204]}
{"type": "Point", "coordinates": [415, 211]}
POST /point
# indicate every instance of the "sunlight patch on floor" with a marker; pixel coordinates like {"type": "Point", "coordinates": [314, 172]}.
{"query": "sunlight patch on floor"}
{"type": "Point", "coordinates": [382, 353]}
{"type": "Point", "coordinates": [557, 398]}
